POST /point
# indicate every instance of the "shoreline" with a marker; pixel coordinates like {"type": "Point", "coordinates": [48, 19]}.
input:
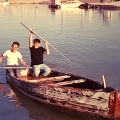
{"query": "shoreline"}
{"type": "Point", "coordinates": [48, 1]}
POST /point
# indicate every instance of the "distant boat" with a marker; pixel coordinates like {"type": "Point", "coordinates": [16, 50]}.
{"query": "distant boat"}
{"type": "Point", "coordinates": [71, 4]}
{"type": "Point", "coordinates": [4, 2]}
{"type": "Point", "coordinates": [65, 4]}
{"type": "Point", "coordinates": [55, 4]}
{"type": "Point", "coordinates": [102, 5]}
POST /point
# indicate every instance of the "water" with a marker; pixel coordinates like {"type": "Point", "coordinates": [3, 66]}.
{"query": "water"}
{"type": "Point", "coordinates": [88, 38]}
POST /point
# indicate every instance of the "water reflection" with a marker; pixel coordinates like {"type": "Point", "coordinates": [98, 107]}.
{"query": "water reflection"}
{"type": "Point", "coordinates": [107, 15]}
{"type": "Point", "coordinates": [9, 93]}
{"type": "Point", "coordinates": [23, 10]}
{"type": "Point", "coordinates": [2, 89]}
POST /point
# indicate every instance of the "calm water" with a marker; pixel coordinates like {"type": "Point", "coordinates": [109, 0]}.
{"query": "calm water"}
{"type": "Point", "coordinates": [90, 39]}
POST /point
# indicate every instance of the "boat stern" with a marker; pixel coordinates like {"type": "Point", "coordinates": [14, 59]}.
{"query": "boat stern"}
{"type": "Point", "coordinates": [114, 105]}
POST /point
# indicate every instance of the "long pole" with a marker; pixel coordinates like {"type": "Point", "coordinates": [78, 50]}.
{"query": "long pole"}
{"type": "Point", "coordinates": [14, 67]}
{"type": "Point", "coordinates": [104, 83]}
{"type": "Point", "coordinates": [44, 40]}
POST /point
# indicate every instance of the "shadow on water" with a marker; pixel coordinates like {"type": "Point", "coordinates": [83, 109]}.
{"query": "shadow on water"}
{"type": "Point", "coordinates": [39, 111]}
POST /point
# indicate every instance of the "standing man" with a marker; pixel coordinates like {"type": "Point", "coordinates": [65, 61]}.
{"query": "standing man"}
{"type": "Point", "coordinates": [12, 57]}
{"type": "Point", "coordinates": [37, 53]}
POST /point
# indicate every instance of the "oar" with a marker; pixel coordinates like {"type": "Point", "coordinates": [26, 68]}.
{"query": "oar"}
{"type": "Point", "coordinates": [44, 40]}
{"type": "Point", "coordinates": [104, 83]}
{"type": "Point", "coordinates": [14, 67]}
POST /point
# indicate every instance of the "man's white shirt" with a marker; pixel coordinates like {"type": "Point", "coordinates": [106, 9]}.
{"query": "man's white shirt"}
{"type": "Point", "coordinates": [12, 57]}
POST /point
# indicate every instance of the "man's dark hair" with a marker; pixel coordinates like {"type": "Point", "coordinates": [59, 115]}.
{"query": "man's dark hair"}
{"type": "Point", "coordinates": [16, 43]}
{"type": "Point", "coordinates": [36, 40]}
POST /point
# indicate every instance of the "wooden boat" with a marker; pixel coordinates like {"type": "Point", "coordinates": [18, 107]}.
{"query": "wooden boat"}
{"type": "Point", "coordinates": [71, 4]}
{"type": "Point", "coordinates": [71, 93]}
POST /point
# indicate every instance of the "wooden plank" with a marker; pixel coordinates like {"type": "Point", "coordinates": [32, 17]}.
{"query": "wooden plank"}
{"type": "Point", "coordinates": [71, 82]}
{"type": "Point", "coordinates": [58, 78]}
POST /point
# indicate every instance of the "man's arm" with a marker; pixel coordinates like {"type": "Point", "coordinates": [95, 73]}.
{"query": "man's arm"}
{"type": "Point", "coordinates": [30, 38]}
{"type": "Point", "coordinates": [1, 57]}
{"type": "Point", "coordinates": [47, 52]}
{"type": "Point", "coordinates": [23, 62]}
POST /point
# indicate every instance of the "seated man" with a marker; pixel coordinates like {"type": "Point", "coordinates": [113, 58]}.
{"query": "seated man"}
{"type": "Point", "coordinates": [12, 57]}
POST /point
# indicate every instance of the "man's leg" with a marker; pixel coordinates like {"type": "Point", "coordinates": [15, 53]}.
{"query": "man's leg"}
{"type": "Point", "coordinates": [36, 69]}
{"type": "Point", "coordinates": [17, 73]}
{"type": "Point", "coordinates": [11, 72]}
{"type": "Point", "coordinates": [45, 70]}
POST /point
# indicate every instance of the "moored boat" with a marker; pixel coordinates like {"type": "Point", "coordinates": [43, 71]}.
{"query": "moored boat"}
{"type": "Point", "coordinates": [70, 92]}
{"type": "Point", "coordinates": [102, 5]}
{"type": "Point", "coordinates": [55, 4]}
{"type": "Point", "coordinates": [71, 4]}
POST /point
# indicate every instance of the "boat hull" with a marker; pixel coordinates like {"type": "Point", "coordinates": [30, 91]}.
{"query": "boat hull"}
{"type": "Point", "coordinates": [71, 99]}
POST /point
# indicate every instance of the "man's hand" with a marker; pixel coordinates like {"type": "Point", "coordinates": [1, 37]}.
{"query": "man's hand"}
{"type": "Point", "coordinates": [31, 30]}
